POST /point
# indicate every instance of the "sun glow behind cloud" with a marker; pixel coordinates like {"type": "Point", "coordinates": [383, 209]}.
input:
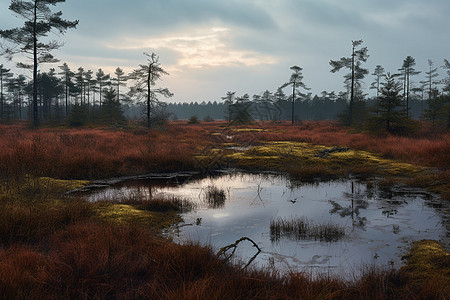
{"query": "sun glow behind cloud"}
{"type": "Point", "coordinates": [202, 48]}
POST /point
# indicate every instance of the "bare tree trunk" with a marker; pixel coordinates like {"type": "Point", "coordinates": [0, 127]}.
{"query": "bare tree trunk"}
{"type": "Point", "coordinates": [35, 66]}
{"type": "Point", "coordinates": [352, 91]}
{"type": "Point", "coordinates": [1, 94]}
{"type": "Point", "coordinates": [293, 103]}
{"type": "Point", "coordinates": [149, 122]}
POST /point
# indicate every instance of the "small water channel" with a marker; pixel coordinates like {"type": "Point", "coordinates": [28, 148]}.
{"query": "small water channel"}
{"type": "Point", "coordinates": [379, 223]}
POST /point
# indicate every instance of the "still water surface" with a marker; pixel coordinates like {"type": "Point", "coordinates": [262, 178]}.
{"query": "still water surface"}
{"type": "Point", "coordinates": [380, 223]}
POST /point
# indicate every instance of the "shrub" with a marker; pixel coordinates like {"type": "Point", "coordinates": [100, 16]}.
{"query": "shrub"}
{"type": "Point", "coordinates": [193, 120]}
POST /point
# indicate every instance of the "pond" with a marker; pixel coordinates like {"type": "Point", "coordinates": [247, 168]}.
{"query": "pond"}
{"type": "Point", "coordinates": [379, 222]}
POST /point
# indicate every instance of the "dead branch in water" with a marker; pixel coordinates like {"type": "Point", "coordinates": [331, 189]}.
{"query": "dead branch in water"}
{"type": "Point", "coordinates": [224, 250]}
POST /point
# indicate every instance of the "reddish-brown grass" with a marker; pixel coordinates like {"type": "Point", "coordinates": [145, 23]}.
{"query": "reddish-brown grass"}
{"type": "Point", "coordinates": [428, 150]}
{"type": "Point", "coordinates": [95, 153]}
{"type": "Point", "coordinates": [57, 250]}
{"type": "Point", "coordinates": [31, 222]}
{"type": "Point", "coordinates": [94, 261]}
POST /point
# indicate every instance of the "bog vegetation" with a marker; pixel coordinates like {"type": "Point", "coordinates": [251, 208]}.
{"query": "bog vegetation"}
{"type": "Point", "coordinates": [58, 246]}
{"type": "Point", "coordinates": [87, 126]}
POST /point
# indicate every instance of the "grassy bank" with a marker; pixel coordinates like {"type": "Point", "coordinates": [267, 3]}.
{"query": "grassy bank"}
{"type": "Point", "coordinates": [90, 259]}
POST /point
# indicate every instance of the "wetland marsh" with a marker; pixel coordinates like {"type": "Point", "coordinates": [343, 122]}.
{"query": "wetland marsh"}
{"type": "Point", "coordinates": [378, 222]}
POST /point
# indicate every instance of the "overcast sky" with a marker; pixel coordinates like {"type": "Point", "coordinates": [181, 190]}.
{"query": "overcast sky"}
{"type": "Point", "coordinates": [210, 47]}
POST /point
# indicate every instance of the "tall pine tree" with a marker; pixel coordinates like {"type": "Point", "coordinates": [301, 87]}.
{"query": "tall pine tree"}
{"type": "Point", "coordinates": [357, 72]}
{"type": "Point", "coordinates": [31, 39]}
{"type": "Point", "coordinates": [145, 79]}
{"type": "Point", "coordinates": [5, 75]}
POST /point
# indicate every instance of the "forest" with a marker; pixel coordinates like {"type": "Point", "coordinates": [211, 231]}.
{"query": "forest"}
{"type": "Point", "coordinates": [110, 190]}
{"type": "Point", "coordinates": [82, 97]}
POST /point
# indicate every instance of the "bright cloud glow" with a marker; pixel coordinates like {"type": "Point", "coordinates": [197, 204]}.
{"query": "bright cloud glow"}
{"type": "Point", "coordinates": [202, 48]}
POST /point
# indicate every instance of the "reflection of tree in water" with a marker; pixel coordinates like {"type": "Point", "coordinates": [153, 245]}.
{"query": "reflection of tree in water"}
{"type": "Point", "coordinates": [345, 211]}
{"type": "Point", "coordinates": [389, 198]}
{"type": "Point", "coordinates": [357, 202]}
{"type": "Point", "coordinates": [353, 211]}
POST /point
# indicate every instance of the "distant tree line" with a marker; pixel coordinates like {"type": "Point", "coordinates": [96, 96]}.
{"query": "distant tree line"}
{"type": "Point", "coordinates": [326, 106]}
{"type": "Point", "coordinates": [77, 97]}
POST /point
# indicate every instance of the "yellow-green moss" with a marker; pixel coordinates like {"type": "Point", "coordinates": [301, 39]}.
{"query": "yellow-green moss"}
{"type": "Point", "coordinates": [123, 213]}
{"type": "Point", "coordinates": [29, 187]}
{"type": "Point", "coordinates": [286, 156]}
{"type": "Point", "coordinates": [248, 129]}
{"type": "Point", "coordinates": [60, 185]}
{"type": "Point", "coordinates": [428, 260]}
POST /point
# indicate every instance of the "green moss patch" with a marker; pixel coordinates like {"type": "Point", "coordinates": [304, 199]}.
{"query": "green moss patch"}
{"type": "Point", "coordinates": [428, 260]}
{"type": "Point", "coordinates": [37, 188]}
{"type": "Point", "coordinates": [124, 213]}
{"type": "Point", "coordinates": [302, 158]}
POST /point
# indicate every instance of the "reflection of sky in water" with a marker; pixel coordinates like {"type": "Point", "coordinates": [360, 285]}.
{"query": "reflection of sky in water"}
{"type": "Point", "coordinates": [378, 233]}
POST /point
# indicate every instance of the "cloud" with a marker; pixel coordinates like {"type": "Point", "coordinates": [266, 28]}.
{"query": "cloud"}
{"type": "Point", "coordinates": [114, 17]}
{"type": "Point", "coordinates": [211, 46]}
{"type": "Point", "coordinates": [203, 47]}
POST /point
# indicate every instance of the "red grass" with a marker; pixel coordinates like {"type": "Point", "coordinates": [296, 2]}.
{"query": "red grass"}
{"type": "Point", "coordinates": [92, 261]}
{"type": "Point", "coordinates": [55, 253]}
{"type": "Point", "coordinates": [422, 150]}
{"type": "Point", "coordinates": [94, 153]}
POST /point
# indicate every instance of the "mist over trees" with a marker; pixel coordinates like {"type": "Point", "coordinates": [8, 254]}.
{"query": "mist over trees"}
{"type": "Point", "coordinates": [81, 96]}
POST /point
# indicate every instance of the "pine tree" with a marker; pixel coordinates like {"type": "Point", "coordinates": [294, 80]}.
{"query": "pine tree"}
{"type": "Point", "coordinates": [80, 80]}
{"type": "Point", "coordinates": [446, 90]}
{"type": "Point", "coordinates": [102, 81]}
{"type": "Point", "coordinates": [67, 77]}
{"type": "Point", "coordinates": [89, 83]}
{"type": "Point", "coordinates": [31, 38]}
{"type": "Point", "coordinates": [5, 76]}
{"type": "Point", "coordinates": [389, 112]}
{"type": "Point", "coordinates": [430, 79]}
{"type": "Point", "coordinates": [16, 87]}
{"type": "Point", "coordinates": [241, 110]}
{"type": "Point", "coordinates": [49, 90]}
{"type": "Point", "coordinates": [144, 79]}
{"type": "Point", "coordinates": [229, 98]}
{"type": "Point", "coordinates": [110, 113]}
{"type": "Point", "coordinates": [407, 70]}
{"type": "Point", "coordinates": [119, 80]}
{"type": "Point", "coordinates": [378, 73]}
{"type": "Point", "coordinates": [296, 81]}
{"type": "Point", "coordinates": [357, 72]}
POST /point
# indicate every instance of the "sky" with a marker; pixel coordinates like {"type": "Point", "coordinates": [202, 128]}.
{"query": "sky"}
{"type": "Point", "coordinates": [209, 47]}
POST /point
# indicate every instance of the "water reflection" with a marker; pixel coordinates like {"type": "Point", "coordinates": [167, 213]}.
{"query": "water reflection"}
{"type": "Point", "coordinates": [379, 222]}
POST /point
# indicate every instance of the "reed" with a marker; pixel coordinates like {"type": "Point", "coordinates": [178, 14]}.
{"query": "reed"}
{"type": "Point", "coordinates": [215, 197]}
{"type": "Point", "coordinates": [302, 228]}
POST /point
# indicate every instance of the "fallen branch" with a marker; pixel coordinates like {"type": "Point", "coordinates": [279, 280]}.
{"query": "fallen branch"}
{"type": "Point", "coordinates": [326, 152]}
{"type": "Point", "coordinates": [233, 246]}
